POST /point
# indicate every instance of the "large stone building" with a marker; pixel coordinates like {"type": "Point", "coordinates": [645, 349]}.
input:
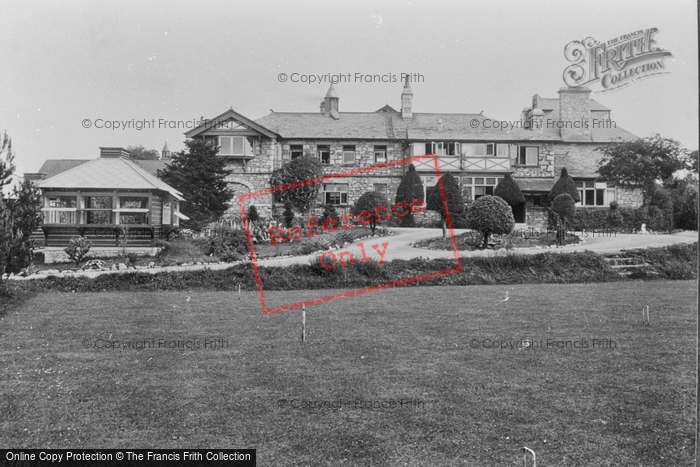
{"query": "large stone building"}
{"type": "Point", "coordinates": [551, 134]}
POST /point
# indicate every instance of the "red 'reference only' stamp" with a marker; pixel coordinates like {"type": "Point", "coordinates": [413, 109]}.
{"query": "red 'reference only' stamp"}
{"type": "Point", "coordinates": [279, 235]}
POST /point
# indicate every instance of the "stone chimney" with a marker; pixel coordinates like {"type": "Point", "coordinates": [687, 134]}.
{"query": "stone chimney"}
{"type": "Point", "coordinates": [407, 100]}
{"type": "Point", "coordinates": [536, 120]}
{"type": "Point", "coordinates": [330, 104]}
{"type": "Point", "coordinates": [575, 114]}
{"type": "Point", "coordinates": [114, 152]}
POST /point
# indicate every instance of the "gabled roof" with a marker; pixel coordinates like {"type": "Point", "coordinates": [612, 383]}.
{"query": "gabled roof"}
{"type": "Point", "coordinates": [108, 173]}
{"type": "Point", "coordinates": [387, 108]}
{"type": "Point", "coordinates": [53, 167]}
{"type": "Point", "coordinates": [230, 114]}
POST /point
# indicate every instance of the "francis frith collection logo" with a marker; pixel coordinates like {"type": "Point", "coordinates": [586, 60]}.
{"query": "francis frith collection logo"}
{"type": "Point", "coordinates": [615, 63]}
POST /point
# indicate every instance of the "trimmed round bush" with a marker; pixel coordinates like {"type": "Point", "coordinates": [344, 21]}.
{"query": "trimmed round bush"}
{"type": "Point", "coordinates": [490, 215]}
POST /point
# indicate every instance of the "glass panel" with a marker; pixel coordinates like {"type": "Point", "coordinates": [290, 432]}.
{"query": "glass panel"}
{"type": "Point", "coordinates": [133, 218]}
{"type": "Point", "coordinates": [479, 181]}
{"type": "Point", "coordinates": [225, 143]}
{"type": "Point", "coordinates": [133, 202]}
{"type": "Point", "coordinates": [479, 149]}
{"type": "Point", "coordinates": [63, 202]}
{"type": "Point", "coordinates": [489, 190]}
{"type": "Point", "coordinates": [502, 150]}
{"type": "Point", "coordinates": [237, 145]}
{"type": "Point", "coordinates": [590, 198]}
{"type": "Point", "coordinates": [98, 202]}
{"type": "Point", "coordinates": [248, 143]}
{"type": "Point", "coordinates": [490, 181]}
{"type": "Point", "coordinates": [467, 180]}
{"type": "Point", "coordinates": [479, 191]}
{"type": "Point", "coordinates": [489, 149]}
{"type": "Point", "coordinates": [166, 212]}
{"type": "Point", "coordinates": [341, 187]}
{"type": "Point", "coordinates": [531, 156]}
{"type": "Point", "coordinates": [468, 150]}
{"type": "Point", "coordinates": [418, 149]}
{"type": "Point", "coordinates": [98, 217]}
{"type": "Point", "coordinates": [380, 156]}
{"type": "Point", "coordinates": [600, 197]}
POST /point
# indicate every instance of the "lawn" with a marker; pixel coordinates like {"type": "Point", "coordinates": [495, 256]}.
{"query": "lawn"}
{"type": "Point", "coordinates": [389, 378]}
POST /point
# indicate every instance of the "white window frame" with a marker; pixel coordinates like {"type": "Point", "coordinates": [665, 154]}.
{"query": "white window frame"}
{"type": "Point", "coordinates": [244, 143]}
{"type": "Point", "coordinates": [341, 188]}
{"type": "Point", "coordinates": [527, 156]}
{"type": "Point", "coordinates": [609, 193]}
{"type": "Point", "coordinates": [380, 154]}
{"type": "Point", "coordinates": [323, 148]}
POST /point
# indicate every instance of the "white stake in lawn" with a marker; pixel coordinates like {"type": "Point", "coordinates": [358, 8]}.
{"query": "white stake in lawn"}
{"type": "Point", "coordinates": [303, 323]}
{"type": "Point", "coordinates": [239, 291]}
{"type": "Point", "coordinates": [645, 314]}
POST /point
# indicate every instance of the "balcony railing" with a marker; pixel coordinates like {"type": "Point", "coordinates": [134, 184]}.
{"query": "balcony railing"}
{"type": "Point", "coordinates": [469, 164]}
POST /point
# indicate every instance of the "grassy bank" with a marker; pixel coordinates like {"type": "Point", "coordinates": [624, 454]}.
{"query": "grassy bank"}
{"type": "Point", "coordinates": [674, 262]}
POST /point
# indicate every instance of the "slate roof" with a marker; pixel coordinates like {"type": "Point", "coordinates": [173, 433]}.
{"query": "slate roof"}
{"type": "Point", "coordinates": [422, 127]}
{"type": "Point", "coordinates": [599, 134]}
{"type": "Point", "coordinates": [152, 166]}
{"type": "Point", "coordinates": [385, 125]}
{"type": "Point", "coordinates": [108, 173]}
{"type": "Point", "coordinates": [53, 167]}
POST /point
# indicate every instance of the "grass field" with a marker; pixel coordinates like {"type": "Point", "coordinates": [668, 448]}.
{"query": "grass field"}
{"type": "Point", "coordinates": [395, 378]}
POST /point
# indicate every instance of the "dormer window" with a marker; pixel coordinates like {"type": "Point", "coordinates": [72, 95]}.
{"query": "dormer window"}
{"type": "Point", "coordinates": [235, 146]}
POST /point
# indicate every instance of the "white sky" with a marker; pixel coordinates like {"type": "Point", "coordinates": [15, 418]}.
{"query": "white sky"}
{"type": "Point", "coordinates": [65, 61]}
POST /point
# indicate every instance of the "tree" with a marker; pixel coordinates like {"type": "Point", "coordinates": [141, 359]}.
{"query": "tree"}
{"type": "Point", "coordinates": [490, 215]}
{"type": "Point", "coordinates": [141, 153]}
{"type": "Point", "coordinates": [201, 177]}
{"type": "Point", "coordinates": [565, 184]}
{"type": "Point", "coordinates": [509, 190]}
{"type": "Point", "coordinates": [372, 207]}
{"type": "Point", "coordinates": [564, 207]}
{"type": "Point", "coordinates": [298, 170]}
{"type": "Point", "coordinates": [410, 188]}
{"type": "Point", "coordinates": [685, 203]}
{"type": "Point", "coordinates": [452, 204]}
{"type": "Point", "coordinates": [19, 217]}
{"type": "Point", "coordinates": [644, 162]}
{"type": "Point", "coordinates": [329, 212]}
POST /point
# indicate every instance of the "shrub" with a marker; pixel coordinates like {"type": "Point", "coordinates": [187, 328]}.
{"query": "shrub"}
{"type": "Point", "coordinates": [565, 184]}
{"type": "Point", "coordinates": [252, 214]}
{"type": "Point", "coordinates": [410, 188]}
{"type": "Point", "coordinates": [614, 219]}
{"type": "Point", "coordinates": [319, 270]}
{"type": "Point", "coordinates": [77, 249]}
{"type": "Point", "coordinates": [310, 245]}
{"type": "Point", "coordinates": [376, 205]}
{"type": "Point", "coordinates": [329, 212]}
{"type": "Point", "coordinates": [490, 215]}
{"type": "Point", "coordinates": [453, 199]}
{"type": "Point", "coordinates": [232, 246]}
{"type": "Point", "coordinates": [509, 190]}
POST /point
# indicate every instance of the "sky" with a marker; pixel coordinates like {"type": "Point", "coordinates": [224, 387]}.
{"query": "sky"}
{"type": "Point", "coordinates": [173, 62]}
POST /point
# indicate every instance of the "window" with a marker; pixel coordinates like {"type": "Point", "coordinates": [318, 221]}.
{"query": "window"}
{"type": "Point", "coordinates": [167, 212]}
{"type": "Point", "coordinates": [596, 194]}
{"type": "Point", "coordinates": [475, 187]}
{"type": "Point", "coordinates": [442, 148]}
{"type": "Point", "coordinates": [61, 210]}
{"type": "Point", "coordinates": [528, 155]}
{"type": "Point", "coordinates": [380, 188]}
{"type": "Point", "coordinates": [335, 193]}
{"type": "Point", "coordinates": [349, 155]}
{"type": "Point", "coordinates": [379, 154]}
{"type": "Point", "coordinates": [99, 209]}
{"type": "Point", "coordinates": [296, 150]}
{"type": "Point", "coordinates": [535, 200]}
{"type": "Point", "coordinates": [483, 150]}
{"type": "Point", "coordinates": [502, 150]}
{"type": "Point", "coordinates": [133, 210]}
{"type": "Point", "coordinates": [324, 154]}
{"type": "Point", "coordinates": [235, 146]}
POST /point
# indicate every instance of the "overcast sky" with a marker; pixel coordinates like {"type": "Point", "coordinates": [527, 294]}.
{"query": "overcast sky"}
{"type": "Point", "coordinates": [67, 61]}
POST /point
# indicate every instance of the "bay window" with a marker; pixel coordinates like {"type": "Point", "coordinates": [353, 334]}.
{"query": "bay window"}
{"type": "Point", "coordinates": [335, 193]}
{"type": "Point", "coordinates": [236, 146]}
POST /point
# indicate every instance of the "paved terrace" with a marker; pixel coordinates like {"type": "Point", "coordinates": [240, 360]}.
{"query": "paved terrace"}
{"type": "Point", "coordinates": [399, 247]}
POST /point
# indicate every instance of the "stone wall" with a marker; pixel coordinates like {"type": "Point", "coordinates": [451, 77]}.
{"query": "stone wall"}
{"type": "Point", "coordinates": [57, 255]}
{"type": "Point", "coordinates": [630, 198]}
{"type": "Point", "coordinates": [536, 217]}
